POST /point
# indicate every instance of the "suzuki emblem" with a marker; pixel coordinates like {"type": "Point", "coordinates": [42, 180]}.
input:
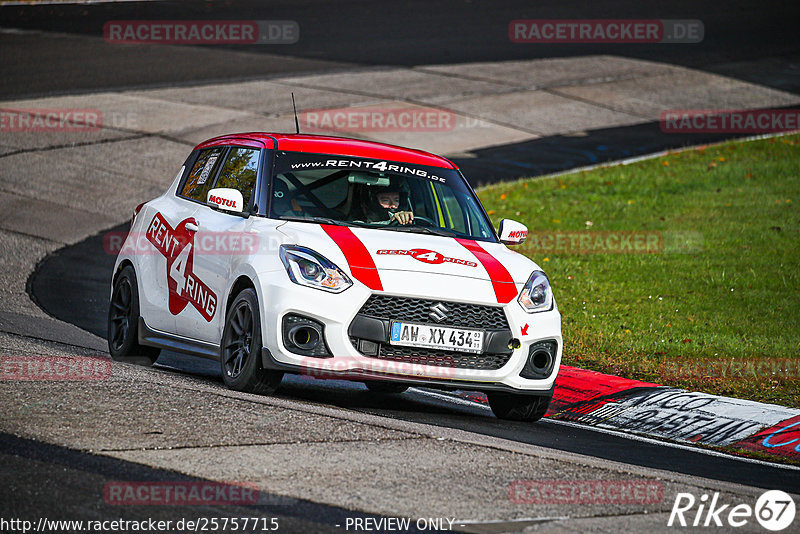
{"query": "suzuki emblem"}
{"type": "Point", "coordinates": [438, 312]}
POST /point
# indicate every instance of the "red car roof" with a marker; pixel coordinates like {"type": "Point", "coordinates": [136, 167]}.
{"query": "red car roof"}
{"type": "Point", "coordinates": [322, 144]}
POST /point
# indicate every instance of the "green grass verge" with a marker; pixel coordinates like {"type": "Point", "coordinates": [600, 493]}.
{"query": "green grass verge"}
{"type": "Point", "coordinates": [714, 303]}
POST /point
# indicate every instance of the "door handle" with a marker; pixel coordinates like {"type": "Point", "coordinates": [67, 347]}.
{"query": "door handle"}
{"type": "Point", "coordinates": [191, 227]}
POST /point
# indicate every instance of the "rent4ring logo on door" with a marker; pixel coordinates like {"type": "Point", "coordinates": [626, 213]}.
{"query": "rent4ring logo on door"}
{"type": "Point", "coordinates": [177, 246]}
{"type": "Point", "coordinates": [427, 256]}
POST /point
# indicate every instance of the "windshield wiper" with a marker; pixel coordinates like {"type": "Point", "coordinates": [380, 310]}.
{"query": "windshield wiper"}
{"type": "Point", "coordinates": [425, 229]}
{"type": "Point", "coordinates": [326, 220]}
{"type": "Point", "coordinates": [415, 229]}
{"type": "Point", "coordinates": [321, 220]}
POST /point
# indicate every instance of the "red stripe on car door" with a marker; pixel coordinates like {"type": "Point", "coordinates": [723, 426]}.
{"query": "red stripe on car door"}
{"type": "Point", "coordinates": [356, 254]}
{"type": "Point", "coordinates": [502, 282]}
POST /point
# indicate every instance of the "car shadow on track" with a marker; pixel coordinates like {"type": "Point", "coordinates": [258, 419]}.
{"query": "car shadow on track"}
{"type": "Point", "coordinates": [341, 393]}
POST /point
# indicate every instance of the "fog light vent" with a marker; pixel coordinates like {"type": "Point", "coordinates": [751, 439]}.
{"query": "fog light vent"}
{"type": "Point", "coordinates": [303, 335]}
{"type": "Point", "coordinates": [541, 360]}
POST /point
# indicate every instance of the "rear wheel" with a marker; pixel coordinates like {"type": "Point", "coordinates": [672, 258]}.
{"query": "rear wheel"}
{"type": "Point", "coordinates": [518, 407]}
{"type": "Point", "coordinates": [240, 351]}
{"type": "Point", "coordinates": [385, 387]}
{"type": "Point", "coordinates": [123, 322]}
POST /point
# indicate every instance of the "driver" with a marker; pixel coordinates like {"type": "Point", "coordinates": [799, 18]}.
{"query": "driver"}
{"type": "Point", "coordinates": [382, 206]}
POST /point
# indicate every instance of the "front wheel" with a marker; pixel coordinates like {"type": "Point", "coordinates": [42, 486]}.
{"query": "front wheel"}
{"type": "Point", "coordinates": [240, 350]}
{"type": "Point", "coordinates": [518, 407]}
{"type": "Point", "coordinates": [123, 322]}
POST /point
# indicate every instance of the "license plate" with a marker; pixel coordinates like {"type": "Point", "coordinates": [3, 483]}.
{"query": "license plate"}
{"type": "Point", "coordinates": [436, 337]}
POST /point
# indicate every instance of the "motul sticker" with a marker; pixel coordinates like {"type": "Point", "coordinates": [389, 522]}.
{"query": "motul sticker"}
{"type": "Point", "coordinates": [226, 199]}
{"type": "Point", "coordinates": [177, 246]}
{"type": "Point", "coordinates": [427, 256]}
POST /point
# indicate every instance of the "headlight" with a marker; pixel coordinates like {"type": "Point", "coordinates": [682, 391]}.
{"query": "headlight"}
{"type": "Point", "coordinates": [308, 268]}
{"type": "Point", "coordinates": [536, 296]}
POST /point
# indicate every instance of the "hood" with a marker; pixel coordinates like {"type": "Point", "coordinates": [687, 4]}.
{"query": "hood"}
{"type": "Point", "coordinates": [419, 264]}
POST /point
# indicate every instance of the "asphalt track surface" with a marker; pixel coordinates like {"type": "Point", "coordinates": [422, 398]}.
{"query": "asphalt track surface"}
{"type": "Point", "coordinates": [73, 477]}
{"type": "Point", "coordinates": [336, 35]}
{"type": "Point", "coordinates": [744, 40]}
{"type": "Point", "coordinates": [72, 283]}
{"type": "Point", "coordinates": [66, 54]}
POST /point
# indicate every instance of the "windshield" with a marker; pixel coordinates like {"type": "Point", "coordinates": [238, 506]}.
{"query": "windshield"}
{"type": "Point", "coordinates": [379, 194]}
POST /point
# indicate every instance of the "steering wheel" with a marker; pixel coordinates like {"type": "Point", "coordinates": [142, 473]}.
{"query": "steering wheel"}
{"type": "Point", "coordinates": [426, 221]}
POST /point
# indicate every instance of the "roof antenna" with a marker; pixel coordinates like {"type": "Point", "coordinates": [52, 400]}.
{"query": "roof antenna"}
{"type": "Point", "coordinates": [296, 123]}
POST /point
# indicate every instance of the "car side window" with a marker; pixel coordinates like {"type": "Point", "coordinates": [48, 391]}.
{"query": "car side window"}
{"type": "Point", "coordinates": [240, 171]}
{"type": "Point", "coordinates": [199, 180]}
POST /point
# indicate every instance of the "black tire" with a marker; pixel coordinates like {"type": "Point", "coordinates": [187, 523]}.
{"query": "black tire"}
{"type": "Point", "coordinates": [240, 350]}
{"type": "Point", "coordinates": [123, 322]}
{"type": "Point", "coordinates": [518, 407]}
{"type": "Point", "coordinates": [385, 387]}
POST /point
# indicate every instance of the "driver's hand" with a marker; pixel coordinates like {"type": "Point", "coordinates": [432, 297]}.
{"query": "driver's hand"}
{"type": "Point", "coordinates": [403, 217]}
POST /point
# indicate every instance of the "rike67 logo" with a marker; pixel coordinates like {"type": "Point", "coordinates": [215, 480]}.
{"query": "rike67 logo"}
{"type": "Point", "coordinates": [177, 246]}
{"type": "Point", "coordinates": [774, 510]}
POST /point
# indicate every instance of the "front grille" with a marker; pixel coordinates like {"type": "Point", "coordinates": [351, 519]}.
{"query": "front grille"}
{"type": "Point", "coordinates": [457, 314]}
{"type": "Point", "coordinates": [418, 310]}
{"type": "Point", "coordinates": [422, 356]}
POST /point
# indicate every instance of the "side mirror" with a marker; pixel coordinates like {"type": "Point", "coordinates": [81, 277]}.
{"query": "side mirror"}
{"type": "Point", "coordinates": [226, 199]}
{"type": "Point", "coordinates": [512, 232]}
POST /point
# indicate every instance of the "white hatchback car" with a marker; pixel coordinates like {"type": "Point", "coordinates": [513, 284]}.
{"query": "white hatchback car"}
{"type": "Point", "coordinates": [338, 258]}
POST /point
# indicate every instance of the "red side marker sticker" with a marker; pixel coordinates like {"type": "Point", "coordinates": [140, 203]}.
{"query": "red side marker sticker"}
{"type": "Point", "coordinates": [782, 439]}
{"type": "Point", "coordinates": [502, 282]}
{"type": "Point", "coordinates": [357, 255]}
{"type": "Point", "coordinates": [524, 329]}
{"type": "Point", "coordinates": [576, 389]}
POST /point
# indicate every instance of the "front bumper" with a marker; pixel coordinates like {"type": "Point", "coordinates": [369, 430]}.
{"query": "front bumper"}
{"type": "Point", "coordinates": [336, 312]}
